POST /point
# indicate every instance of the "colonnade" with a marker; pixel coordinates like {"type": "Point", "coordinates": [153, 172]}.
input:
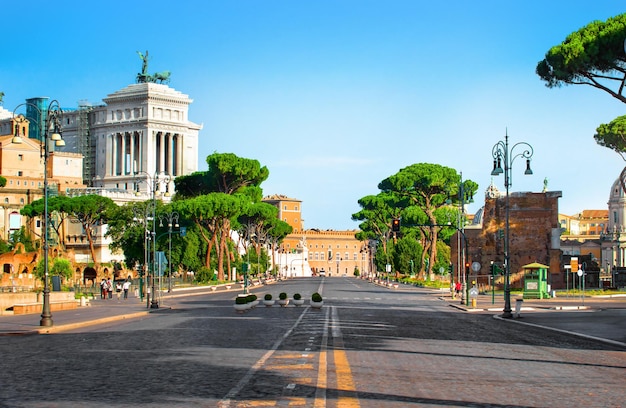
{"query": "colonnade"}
{"type": "Point", "coordinates": [132, 153]}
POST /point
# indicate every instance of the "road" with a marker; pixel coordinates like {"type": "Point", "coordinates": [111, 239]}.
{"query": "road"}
{"type": "Point", "coordinates": [369, 346]}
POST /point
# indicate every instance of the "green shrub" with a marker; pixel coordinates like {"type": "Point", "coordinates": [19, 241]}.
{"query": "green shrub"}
{"type": "Point", "coordinates": [251, 298]}
{"type": "Point", "coordinates": [268, 296]}
{"type": "Point", "coordinates": [241, 300]}
{"type": "Point", "coordinates": [316, 297]}
{"type": "Point", "coordinates": [282, 296]}
{"type": "Point", "coordinates": [296, 296]}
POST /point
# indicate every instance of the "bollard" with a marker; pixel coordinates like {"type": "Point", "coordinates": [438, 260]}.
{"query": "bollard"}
{"type": "Point", "coordinates": [473, 303]}
{"type": "Point", "coordinates": [518, 307]}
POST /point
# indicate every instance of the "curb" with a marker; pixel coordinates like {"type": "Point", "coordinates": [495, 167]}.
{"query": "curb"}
{"type": "Point", "coordinates": [71, 326]}
{"type": "Point", "coordinates": [585, 336]}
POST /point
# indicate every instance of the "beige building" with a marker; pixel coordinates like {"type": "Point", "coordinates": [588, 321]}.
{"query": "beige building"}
{"type": "Point", "coordinates": [23, 166]}
{"type": "Point", "coordinates": [129, 149]}
{"type": "Point", "coordinates": [307, 252]}
{"type": "Point", "coordinates": [588, 224]}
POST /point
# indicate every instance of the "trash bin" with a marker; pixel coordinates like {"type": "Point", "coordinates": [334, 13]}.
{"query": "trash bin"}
{"type": "Point", "coordinates": [518, 306]}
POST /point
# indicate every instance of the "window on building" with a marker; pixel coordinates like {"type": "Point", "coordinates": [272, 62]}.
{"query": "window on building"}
{"type": "Point", "coordinates": [19, 173]}
{"type": "Point", "coordinates": [6, 200]}
{"type": "Point", "coordinates": [355, 256]}
{"type": "Point", "coordinates": [22, 201]}
{"type": "Point", "coordinates": [295, 208]}
{"type": "Point", "coordinates": [20, 157]}
{"type": "Point", "coordinates": [322, 256]}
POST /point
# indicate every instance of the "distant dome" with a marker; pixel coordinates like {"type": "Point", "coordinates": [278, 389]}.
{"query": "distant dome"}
{"type": "Point", "coordinates": [617, 192]}
{"type": "Point", "coordinates": [617, 205]}
{"type": "Point", "coordinates": [478, 217]}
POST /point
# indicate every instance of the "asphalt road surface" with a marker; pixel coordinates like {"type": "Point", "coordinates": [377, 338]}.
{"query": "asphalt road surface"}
{"type": "Point", "coordinates": [369, 346]}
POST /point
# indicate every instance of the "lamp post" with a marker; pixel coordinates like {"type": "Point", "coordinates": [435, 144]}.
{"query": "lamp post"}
{"type": "Point", "coordinates": [501, 152]}
{"type": "Point", "coordinates": [143, 216]}
{"type": "Point", "coordinates": [52, 131]}
{"type": "Point", "coordinates": [172, 221]}
{"type": "Point", "coordinates": [153, 181]}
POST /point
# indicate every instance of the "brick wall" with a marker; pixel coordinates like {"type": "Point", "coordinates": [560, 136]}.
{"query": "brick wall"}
{"type": "Point", "coordinates": [532, 218]}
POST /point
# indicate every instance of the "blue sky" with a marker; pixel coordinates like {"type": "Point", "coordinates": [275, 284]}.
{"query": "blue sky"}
{"type": "Point", "coordinates": [334, 96]}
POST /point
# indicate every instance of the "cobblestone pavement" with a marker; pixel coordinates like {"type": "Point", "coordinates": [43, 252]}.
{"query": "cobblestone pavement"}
{"type": "Point", "coordinates": [367, 347]}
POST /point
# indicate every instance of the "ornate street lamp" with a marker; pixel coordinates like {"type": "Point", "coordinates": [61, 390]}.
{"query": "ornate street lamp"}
{"type": "Point", "coordinates": [502, 153]}
{"type": "Point", "coordinates": [52, 131]}
{"type": "Point", "coordinates": [172, 221]}
{"type": "Point", "coordinates": [143, 216]}
{"type": "Point", "coordinates": [153, 181]}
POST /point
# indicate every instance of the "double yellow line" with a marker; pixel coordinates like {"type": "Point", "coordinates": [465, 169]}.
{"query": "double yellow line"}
{"type": "Point", "coordinates": [347, 397]}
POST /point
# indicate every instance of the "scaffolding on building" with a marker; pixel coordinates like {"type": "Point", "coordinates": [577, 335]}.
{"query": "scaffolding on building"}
{"type": "Point", "coordinates": [85, 143]}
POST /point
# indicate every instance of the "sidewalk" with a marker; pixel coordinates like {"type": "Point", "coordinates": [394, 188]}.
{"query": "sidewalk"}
{"type": "Point", "coordinates": [487, 303]}
{"type": "Point", "coordinates": [98, 311]}
{"type": "Point", "coordinates": [600, 318]}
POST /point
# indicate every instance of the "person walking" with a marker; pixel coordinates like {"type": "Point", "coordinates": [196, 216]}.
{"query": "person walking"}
{"type": "Point", "coordinates": [118, 290]}
{"type": "Point", "coordinates": [126, 288]}
{"type": "Point", "coordinates": [103, 289]}
{"type": "Point", "coordinates": [110, 288]}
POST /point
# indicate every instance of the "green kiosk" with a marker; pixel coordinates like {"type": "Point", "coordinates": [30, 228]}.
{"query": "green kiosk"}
{"type": "Point", "coordinates": [536, 281]}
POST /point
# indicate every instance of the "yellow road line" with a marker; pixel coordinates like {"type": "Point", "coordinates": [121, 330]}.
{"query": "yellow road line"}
{"type": "Point", "coordinates": [322, 375]}
{"type": "Point", "coordinates": [345, 382]}
{"type": "Point", "coordinates": [289, 367]}
{"type": "Point", "coordinates": [347, 397]}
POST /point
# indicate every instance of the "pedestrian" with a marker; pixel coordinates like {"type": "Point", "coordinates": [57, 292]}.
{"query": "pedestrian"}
{"type": "Point", "coordinates": [103, 289]}
{"type": "Point", "coordinates": [110, 288]}
{"type": "Point", "coordinates": [118, 290]}
{"type": "Point", "coordinates": [458, 288]}
{"type": "Point", "coordinates": [126, 287]}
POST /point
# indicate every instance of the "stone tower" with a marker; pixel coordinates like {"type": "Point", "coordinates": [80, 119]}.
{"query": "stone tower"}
{"type": "Point", "coordinates": [614, 238]}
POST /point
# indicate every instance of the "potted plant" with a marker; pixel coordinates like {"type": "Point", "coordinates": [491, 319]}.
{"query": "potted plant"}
{"type": "Point", "coordinates": [267, 300]}
{"type": "Point", "coordinates": [282, 299]}
{"type": "Point", "coordinates": [241, 304]}
{"type": "Point", "coordinates": [252, 300]}
{"type": "Point", "coordinates": [297, 299]}
{"type": "Point", "coordinates": [316, 301]}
